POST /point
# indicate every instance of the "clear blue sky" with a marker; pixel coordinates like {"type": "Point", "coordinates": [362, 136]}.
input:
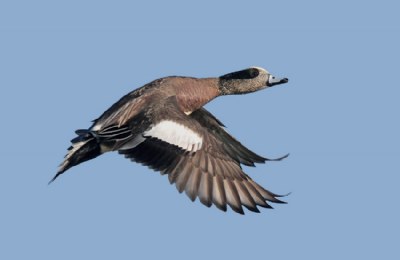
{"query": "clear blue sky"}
{"type": "Point", "coordinates": [61, 65]}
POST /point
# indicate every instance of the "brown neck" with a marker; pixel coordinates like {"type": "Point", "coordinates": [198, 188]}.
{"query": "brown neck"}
{"type": "Point", "coordinates": [195, 93]}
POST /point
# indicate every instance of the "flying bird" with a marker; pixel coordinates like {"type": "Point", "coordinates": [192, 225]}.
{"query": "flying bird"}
{"type": "Point", "coordinates": [164, 126]}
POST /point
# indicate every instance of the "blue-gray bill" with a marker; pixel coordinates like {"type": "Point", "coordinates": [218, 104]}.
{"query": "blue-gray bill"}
{"type": "Point", "coordinates": [272, 81]}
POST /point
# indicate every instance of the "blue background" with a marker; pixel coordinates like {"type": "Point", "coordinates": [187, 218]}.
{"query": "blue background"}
{"type": "Point", "coordinates": [62, 64]}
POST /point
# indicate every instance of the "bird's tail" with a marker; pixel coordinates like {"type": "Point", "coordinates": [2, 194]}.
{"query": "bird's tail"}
{"type": "Point", "coordinates": [84, 147]}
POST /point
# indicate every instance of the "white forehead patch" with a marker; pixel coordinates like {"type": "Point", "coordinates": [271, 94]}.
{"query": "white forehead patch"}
{"type": "Point", "coordinates": [176, 134]}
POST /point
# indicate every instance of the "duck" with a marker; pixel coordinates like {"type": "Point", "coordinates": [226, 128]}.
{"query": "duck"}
{"type": "Point", "coordinates": [163, 125]}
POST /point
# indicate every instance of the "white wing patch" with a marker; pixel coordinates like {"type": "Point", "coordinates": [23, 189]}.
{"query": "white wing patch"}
{"type": "Point", "coordinates": [176, 134]}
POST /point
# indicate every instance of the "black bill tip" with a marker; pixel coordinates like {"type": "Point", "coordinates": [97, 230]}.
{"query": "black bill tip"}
{"type": "Point", "coordinates": [272, 81]}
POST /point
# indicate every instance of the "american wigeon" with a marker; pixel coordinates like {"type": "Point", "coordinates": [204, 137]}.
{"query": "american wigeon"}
{"type": "Point", "coordinates": [163, 125]}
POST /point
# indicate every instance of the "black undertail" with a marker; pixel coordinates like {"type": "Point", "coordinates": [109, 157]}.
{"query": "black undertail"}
{"type": "Point", "coordinates": [84, 147]}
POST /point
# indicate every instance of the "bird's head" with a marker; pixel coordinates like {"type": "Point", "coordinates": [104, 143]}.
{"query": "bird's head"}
{"type": "Point", "coordinates": [247, 80]}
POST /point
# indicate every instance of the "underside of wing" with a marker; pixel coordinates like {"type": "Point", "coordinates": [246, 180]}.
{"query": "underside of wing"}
{"type": "Point", "coordinates": [231, 146]}
{"type": "Point", "coordinates": [207, 174]}
{"type": "Point", "coordinates": [200, 157]}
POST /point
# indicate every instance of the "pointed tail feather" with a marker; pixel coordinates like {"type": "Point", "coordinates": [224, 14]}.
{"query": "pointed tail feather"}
{"type": "Point", "coordinates": [84, 147]}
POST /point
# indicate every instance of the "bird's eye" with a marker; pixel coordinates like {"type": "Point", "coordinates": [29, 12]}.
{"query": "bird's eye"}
{"type": "Point", "coordinates": [253, 73]}
{"type": "Point", "coordinates": [243, 74]}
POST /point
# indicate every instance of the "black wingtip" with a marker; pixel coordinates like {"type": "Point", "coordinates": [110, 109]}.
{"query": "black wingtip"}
{"type": "Point", "coordinates": [284, 195]}
{"type": "Point", "coordinates": [253, 209]}
{"type": "Point", "coordinates": [278, 159]}
{"type": "Point", "coordinates": [239, 210]}
{"type": "Point", "coordinates": [280, 196]}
